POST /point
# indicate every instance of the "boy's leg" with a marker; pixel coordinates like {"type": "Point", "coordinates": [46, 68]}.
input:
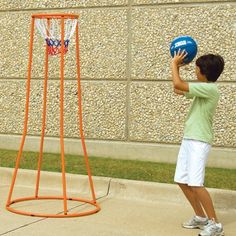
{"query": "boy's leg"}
{"type": "Point", "coordinates": [182, 173]}
{"type": "Point", "coordinates": [204, 198]}
{"type": "Point", "coordinates": [213, 227]}
{"type": "Point", "coordinates": [193, 199]}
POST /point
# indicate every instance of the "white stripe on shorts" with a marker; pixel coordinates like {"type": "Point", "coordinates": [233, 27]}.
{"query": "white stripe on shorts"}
{"type": "Point", "coordinates": [190, 168]}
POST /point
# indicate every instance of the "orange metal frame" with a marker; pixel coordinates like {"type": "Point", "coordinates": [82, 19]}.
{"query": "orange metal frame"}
{"type": "Point", "coordinates": [64, 198]}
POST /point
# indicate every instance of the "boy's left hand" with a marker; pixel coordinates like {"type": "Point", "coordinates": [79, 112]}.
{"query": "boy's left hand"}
{"type": "Point", "coordinates": [179, 57]}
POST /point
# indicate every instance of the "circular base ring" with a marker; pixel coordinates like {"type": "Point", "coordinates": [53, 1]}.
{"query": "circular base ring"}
{"type": "Point", "coordinates": [59, 215]}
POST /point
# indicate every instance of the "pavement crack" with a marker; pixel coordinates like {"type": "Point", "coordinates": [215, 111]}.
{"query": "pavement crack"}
{"type": "Point", "coordinates": [23, 226]}
{"type": "Point", "coordinates": [108, 188]}
{"type": "Point", "coordinates": [108, 191]}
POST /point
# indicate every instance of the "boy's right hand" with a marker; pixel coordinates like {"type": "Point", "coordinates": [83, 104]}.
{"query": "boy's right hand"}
{"type": "Point", "coordinates": [179, 57]}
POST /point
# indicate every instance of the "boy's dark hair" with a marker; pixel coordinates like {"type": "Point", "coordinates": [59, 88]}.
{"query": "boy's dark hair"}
{"type": "Point", "coordinates": [211, 66]}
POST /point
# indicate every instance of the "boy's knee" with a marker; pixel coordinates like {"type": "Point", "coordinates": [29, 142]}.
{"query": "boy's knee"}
{"type": "Point", "coordinates": [197, 188]}
{"type": "Point", "coordinates": [181, 185]}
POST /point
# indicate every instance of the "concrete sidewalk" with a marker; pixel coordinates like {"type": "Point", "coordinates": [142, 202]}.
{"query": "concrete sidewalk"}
{"type": "Point", "coordinates": [129, 208]}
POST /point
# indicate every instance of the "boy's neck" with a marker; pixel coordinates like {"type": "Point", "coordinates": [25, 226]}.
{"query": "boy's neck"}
{"type": "Point", "coordinates": [203, 79]}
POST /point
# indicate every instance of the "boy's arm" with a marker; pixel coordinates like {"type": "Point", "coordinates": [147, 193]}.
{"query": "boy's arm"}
{"type": "Point", "coordinates": [179, 92]}
{"type": "Point", "coordinates": [178, 83]}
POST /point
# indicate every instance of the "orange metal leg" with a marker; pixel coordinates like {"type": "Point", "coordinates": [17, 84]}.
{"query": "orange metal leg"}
{"type": "Point", "coordinates": [62, 118]}
{"type": "Point", "coordinates": [43, 119]}
{"type": "Point", "coordinates": [80, 115]}
{"type": "Point", "coordinates": [26, 113]}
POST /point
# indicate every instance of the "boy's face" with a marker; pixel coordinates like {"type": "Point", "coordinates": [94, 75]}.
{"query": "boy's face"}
{"type": "Point", "coordinates": [199, 75]}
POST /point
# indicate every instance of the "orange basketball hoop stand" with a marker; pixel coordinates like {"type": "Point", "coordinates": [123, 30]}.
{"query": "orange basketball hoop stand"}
{"type": "Point", "coordinates": [57, 29]}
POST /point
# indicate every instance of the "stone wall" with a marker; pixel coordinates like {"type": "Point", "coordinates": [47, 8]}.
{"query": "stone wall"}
{"type": "Point", "coordinates": [125, 72]}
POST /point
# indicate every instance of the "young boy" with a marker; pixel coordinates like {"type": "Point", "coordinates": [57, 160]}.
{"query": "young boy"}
{"type": "Point", "coordinates": [197, 140]}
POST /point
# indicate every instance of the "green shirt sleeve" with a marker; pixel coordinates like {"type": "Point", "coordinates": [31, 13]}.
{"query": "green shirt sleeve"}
{"type": "Point", "coordinates": [202, 90]}
{"type": "Point", "coordinates": [188, 95]}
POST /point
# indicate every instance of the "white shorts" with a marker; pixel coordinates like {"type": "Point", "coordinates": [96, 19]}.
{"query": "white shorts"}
{"type": "Point", "coordinates": [190, 168]}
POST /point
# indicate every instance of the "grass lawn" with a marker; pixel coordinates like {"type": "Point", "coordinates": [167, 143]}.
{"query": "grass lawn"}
{"type": "Point", "coordinates": [124, 169]}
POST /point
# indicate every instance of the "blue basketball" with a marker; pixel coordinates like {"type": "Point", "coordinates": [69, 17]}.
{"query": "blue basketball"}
{"type": "Point", "coordinates": [184, 43]}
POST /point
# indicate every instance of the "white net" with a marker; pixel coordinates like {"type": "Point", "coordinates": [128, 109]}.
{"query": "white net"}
{"type": "Point", "coordinates": [51, 32]}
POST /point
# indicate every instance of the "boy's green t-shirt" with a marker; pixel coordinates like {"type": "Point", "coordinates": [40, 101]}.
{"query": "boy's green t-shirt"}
{"type": "Point", "coordinates": [199, 121]}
